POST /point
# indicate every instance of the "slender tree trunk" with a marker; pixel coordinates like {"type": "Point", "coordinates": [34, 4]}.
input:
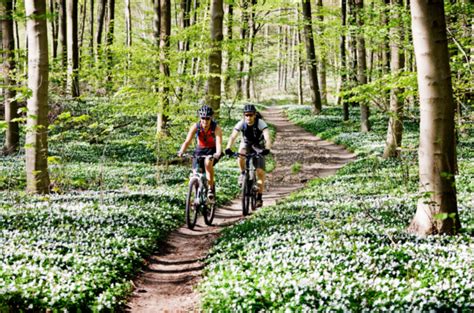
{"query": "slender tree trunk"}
{"type": "Point", "coordinates": [91, 28]}
{"type": "Point", "coordinates": [63, 33]}
{"type": "Point", "coordinates": [37, 176]}
{"type": "Point", "coordinates": [110, 41]}
{"type": "Point", "coordinates": [83, 23]}
{"type": "Point", "coordinates": [128, 24]}
{"type": "Point", "coordinates": [362, 67]}
{"type": "Point", "coordinates": [215, 57]}
{"type": "Point", "coordinates": [12, 136]}
{"type": "Point", "coordinates": [243, 37]}
{"type": "Point", "coordinates": [165, 32]}
{"type": "Point", "coordinates": [311, 57]}
{"type": "Point", "coordinates": [437, 212]}
{"type": "Point", "coordinates": [54, 27]}
{"type": "Point", "coordinates": [344, 70]}
{"type": "Point", "coordinates": [395, 123]}
{"type": "Point", "coordinates": [299, 60]}
{"type": "Point", "coordinates": [252, 34]}
{"type": "Point", "coordinates": [73, 49]}
{"type": "Point", "coordinates": [100, 28]}
{"type": "Point", "coordinates": [323, 61]}
{"type": "Point", "coordinates": [352, 47]}
{"type": "Point", "coordinates": [230, 24]}
{"type": "Point", "coordinates": [280, 48]}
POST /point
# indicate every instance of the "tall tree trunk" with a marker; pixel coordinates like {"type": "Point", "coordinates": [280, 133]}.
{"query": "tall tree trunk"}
{"type": "Point", "coordinates": [37, 177]}
{"type": "Point", "coordinates": [165, 32]}
{"type": "Point", "coordinates": [243, 36]}
{"type": "Point", "coordinates": [128, 24]}
{"type": "Point", "coordinates": [110, 41]}
{"type": "Point", "coordinates": [251, 45]}
{"type": "Point", "coordinates": [299, 60]}
{"type": "Point", "coordinates": [311, 57]}
{"type": "Point", "coordinates": [352, 47]}
{"type": "Point", "coordinates": [12, 136]}
{"type": "Point", "coordinates": [215, 57]}
{"type": "Point", "coordinates": [63, 33]}
{"type": "Point", "coordinates": [230, 24]}
{"type": "Point", "coordinates": [54, 26]}
{"type": "Point", "coordinates": [83, 23]}
{"type": "Point", "coordinates": [437, 212]}
{"type": "Point", "coordinates": [100, 28]}
{"type": "Point", "coordinates": [322, 62]}
{"type": "Point", "coordinates": [279, 57]}
{"type": "Point", "coordinates": [91, 28]}
{"type": "Point", "coordinates": [395, 123]}
{"type": "Point", "coordinates": [362, 67]}
{"type": "Point", "coordinates": [73, 49]}
{"type": "Point", "coordinates": [344, 69]}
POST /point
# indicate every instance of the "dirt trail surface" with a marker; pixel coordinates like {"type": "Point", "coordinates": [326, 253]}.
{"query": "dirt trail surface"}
{"type": "Point", "coordinates": [167, 282]}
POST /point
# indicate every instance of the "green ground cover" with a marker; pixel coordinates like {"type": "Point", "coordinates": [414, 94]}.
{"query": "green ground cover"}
{"type": "Point", "coordinates": [341, 243]}
{"type": "Point", "coordinates": [78, 248]}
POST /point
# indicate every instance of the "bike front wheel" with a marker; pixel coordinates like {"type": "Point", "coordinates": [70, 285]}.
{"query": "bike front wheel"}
{"type": "Point", "coordinates": [209, 213]}
{"type": "Point", "coordinates": [192, 203]}
{"type": "Point", "coordinates": [246, 185]}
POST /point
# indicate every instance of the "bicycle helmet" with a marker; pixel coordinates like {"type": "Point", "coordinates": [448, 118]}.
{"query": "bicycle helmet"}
{"type": "Point", "coordinates": [249, 108]}
{"type": "Point", "coordinates": [205, 111]}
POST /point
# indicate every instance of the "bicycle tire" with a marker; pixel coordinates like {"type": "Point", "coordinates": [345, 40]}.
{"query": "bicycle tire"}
{"type": "Point", "coordinates": [246, 185]}
{"type": "Point", "coordinates": [192, 200]}
{"type": "Point", "coordinates": [209, 212]}
{"type": "Point", "coordinates": [253, 197]}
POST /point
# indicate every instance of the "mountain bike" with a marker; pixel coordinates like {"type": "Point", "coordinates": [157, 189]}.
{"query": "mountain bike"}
{"type": "Point", "coordinates": [197, 200]}
{"type": "Point", "coordinates": [249, 185]}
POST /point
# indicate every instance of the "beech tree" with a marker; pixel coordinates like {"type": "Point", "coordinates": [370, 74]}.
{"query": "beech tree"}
{"type": "Point", "coordinates": [215, 57]}
{"type": "Point", "coordinates": [311, 57]}
{"type": "Point", "coordinates": [165, 32]}
{"type": "Point", "coordinates": [72, 48]}
{"type": "Point", "coordinates": [37, 176]}
{"type": "Point", "coordinates": [362, 66]}
{"type": "Point", "coordinates": [437, 211]}
{"type": "Point", "coordinates": [12, 137]}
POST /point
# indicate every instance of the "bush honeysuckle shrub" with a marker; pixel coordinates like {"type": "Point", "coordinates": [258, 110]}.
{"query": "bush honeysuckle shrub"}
{"type": "Point", "coordinates": [341, 243]}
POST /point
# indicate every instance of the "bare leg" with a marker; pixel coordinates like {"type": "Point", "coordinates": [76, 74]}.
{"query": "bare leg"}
{"type": "Point", "coordinates": [260, 179]}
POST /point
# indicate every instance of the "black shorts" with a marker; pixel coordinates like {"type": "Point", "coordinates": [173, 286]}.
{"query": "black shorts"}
{"type": "Point", "coordinates": [200, 152]}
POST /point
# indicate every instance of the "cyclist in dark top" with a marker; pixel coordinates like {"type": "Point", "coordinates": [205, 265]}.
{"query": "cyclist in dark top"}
{"type": "Point", "coordinates": [209, 142]}
{"type": "Point", "coordinates": [254, 132]}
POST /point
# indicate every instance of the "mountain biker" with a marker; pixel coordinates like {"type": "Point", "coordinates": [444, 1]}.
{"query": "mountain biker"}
{"type": "Point", "coordinates": [209, 142]}
{"type": "Point", "coordinates": [255, 133]}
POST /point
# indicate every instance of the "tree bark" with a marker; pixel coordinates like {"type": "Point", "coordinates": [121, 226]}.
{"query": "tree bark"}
{"type": "Point", "coordinates": [344, 69]}
{"type": "Point", "coordinates": [54, 26]}
{"type": "Point", "coordinates": [100, 27]}
{"type": "Point", "coordinates": [362, 67]}
{"type": "Point", "coordinates": [63, 33]}
{"type": "Point", "coordinates": [37, 177]}
{"type": "Point", "coordinates": [91, 28]}
{"type": "Point", "coordinates": [215, 57]}
{"type": "Point", "coordinates": [395, 123]}
{"type": "Point", "coordinates": [322, 61]}
{"type": "Point", "coordinates": [437, 212]}
{"type": "Point", "coordinates": [311, 57]}
{"type": "Point", "coordinates": [12, 136]}
{"type": "Point", "coordinates": [165, 32]}
{"type": "Point", "coordinates": [230, 24]}
{"type": "Point", "coordinates": [243, 36]}
{"type": "Point", "coordinates": [73, 49]}
{"type": "Point", "coordinates": [110, 41]}
{"type": "Point", "coordinates": [251, 45]}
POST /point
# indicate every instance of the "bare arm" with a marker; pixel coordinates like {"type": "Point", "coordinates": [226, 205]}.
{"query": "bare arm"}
{"type": "Point", "coordinates": [189, 138]}
{"type": "Point", "coordinates": [233, 136]}
{"type": "Point", "coordinates": [218, 140]}
{"type": "Point", "coordinates": [268, 139]}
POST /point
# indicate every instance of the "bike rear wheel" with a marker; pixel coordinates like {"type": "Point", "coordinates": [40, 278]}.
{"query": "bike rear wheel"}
{"type": "Point", "coordinates": [246, 185]}
{"type": "Point", "coordinates": [192, 203]}
{"type": "Point", "coordinates": [208, 213]}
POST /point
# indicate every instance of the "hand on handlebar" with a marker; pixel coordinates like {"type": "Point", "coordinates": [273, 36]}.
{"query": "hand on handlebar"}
{"type": "Point", "coordinates": [179, 154]}
{"type": "Point", "coordinates": [216, 156]}
{"type": "Point", "coordinates": [265, 152]}
{"type": "Point", "coordinates": [228, 152]}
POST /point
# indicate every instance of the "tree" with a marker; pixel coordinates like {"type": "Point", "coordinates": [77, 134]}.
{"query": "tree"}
{"type": "Point", "coordinates": [395, 123]}
{"type": "Point", "coordinates": [63, 32]}
{"type": "Point", "coordinates": [215, 57]}
{"type": "Point", "coordinates": [437, 212]}
{"type": "Point", "coordinates": [311, 57]}
{"type": "Point", "coordinates": [322, 61]}
{"type": "Point", "coordinates": [243, 35]}
{"type": "Point", "coordinates": [37, 176]}
{"type": "Point", "coordinates": [72, 48]}
{"type": "Point", "coordinates": [100, 26]}
{"type": "Point", "coordinates": [345, 104]}
{"type": "Point", "coordinates": [362, 66]}
{"type": "Point", "coordinates": [12, 137]}
{"type": "Point", "coordinates": [165, 32]}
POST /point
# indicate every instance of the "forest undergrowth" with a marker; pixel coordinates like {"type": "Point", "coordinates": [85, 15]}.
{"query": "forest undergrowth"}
{"type": "Point", "coordinates": [341, 243]}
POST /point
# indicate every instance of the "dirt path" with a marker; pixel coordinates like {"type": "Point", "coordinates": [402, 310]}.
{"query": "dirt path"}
{"type": "Point", "coordinates": [166, 284]}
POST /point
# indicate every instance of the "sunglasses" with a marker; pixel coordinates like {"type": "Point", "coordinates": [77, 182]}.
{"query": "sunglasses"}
{"type": "Point", "coordinates": [205, 118]}
{"type": "Point", "coordinates": [249, 115]}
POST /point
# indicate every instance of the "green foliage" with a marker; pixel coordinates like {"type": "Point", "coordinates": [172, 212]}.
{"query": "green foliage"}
{"type": "Point", "coordinates": [341, 244]}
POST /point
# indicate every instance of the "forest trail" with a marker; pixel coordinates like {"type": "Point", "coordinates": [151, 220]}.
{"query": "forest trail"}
{"type": "Point", "coordinates": [167, 282]}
